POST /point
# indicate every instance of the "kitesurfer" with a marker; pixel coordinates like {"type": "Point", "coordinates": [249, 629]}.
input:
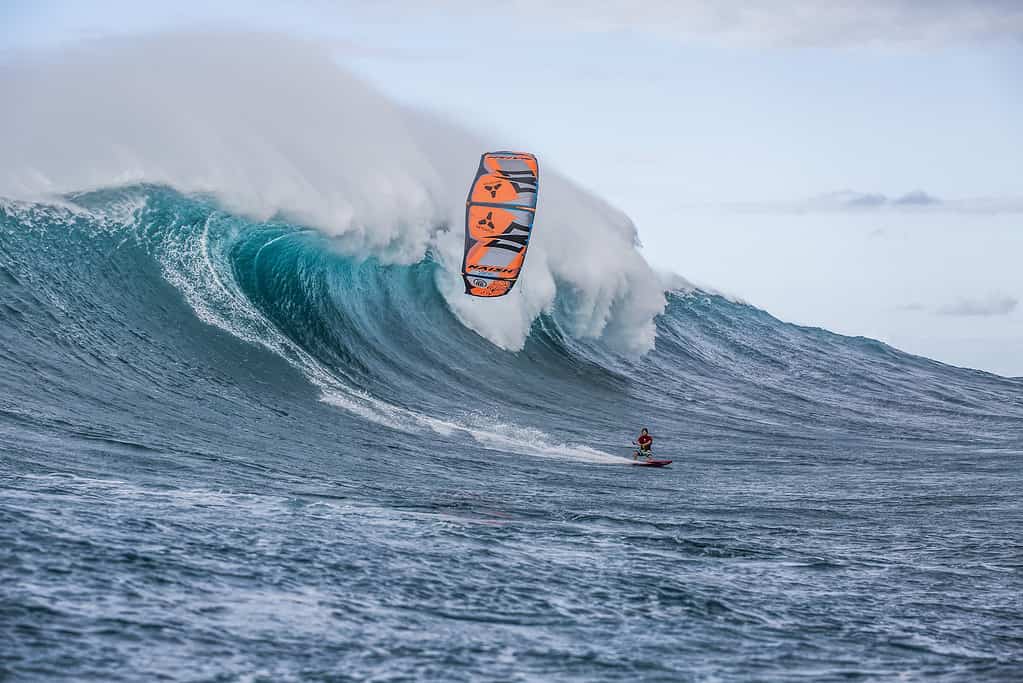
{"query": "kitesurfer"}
{"type": "Point", "coordinates": [645, 441]}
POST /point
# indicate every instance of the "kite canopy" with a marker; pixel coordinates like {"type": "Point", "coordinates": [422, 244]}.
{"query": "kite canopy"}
{"type": "Point", "coordinates": [498, 220]}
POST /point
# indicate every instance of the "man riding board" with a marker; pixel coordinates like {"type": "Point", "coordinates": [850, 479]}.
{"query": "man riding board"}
{"type": "Point", "coordinates": [645, 441]}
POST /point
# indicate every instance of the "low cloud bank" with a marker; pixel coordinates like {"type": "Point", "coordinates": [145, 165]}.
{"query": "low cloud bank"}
{"type": "Point", "coordinates": [851, 201]}
{"type": "Point", "coordinates": [994, 304]}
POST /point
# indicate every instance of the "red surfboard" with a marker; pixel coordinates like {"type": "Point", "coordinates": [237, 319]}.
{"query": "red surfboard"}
{"type": "Point", "coordinates": [651, 463]}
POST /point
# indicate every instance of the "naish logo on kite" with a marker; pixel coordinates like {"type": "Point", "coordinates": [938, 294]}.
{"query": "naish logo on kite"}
{"type": "Point", "coordinates": [488, 221]}
{"type": "Point", "coordinates": [492, 269]}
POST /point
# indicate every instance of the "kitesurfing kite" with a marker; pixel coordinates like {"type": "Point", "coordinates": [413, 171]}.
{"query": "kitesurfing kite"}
{"type": "Point", "coordinates": [498, 220]}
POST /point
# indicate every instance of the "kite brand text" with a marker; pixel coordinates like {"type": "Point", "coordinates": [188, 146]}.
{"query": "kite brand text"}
{"type": "Point", "coordinates": [491, 269]}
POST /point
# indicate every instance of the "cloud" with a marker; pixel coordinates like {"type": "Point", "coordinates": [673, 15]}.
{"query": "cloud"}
{"type": "Point", "coordinates": [823, 23]}
{"type": "Point", "coordinates": [758, 23]}
{"type": "Point", "coordinates": [847, 199]}
{"type": "Point", "coordinates": [916, 198]}
{"type": "Point", "coordinates": [852, 200]}
{"type": "Point", "coordinates": [861, 202]}
{"type": "Point", "coordinates": [994, 304]}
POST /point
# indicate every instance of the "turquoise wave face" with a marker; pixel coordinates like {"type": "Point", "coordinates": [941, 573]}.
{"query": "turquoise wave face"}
{"type": "Point", "coordinates": [222, 435]}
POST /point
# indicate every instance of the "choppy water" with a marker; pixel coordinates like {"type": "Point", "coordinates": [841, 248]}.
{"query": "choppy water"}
{"type": "Point", "coordinates": [229, 453]}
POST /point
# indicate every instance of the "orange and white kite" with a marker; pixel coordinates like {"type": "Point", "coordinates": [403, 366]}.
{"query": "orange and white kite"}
{"type": "Point", "coordinates": [498, 220]}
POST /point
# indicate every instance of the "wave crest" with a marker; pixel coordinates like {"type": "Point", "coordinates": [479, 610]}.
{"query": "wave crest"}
{"type": "Point", "coordinates": [273, 127]}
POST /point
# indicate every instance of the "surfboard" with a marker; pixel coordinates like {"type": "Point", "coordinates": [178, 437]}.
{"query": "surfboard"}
{"type": "Point", "coordinates": [651, 463]}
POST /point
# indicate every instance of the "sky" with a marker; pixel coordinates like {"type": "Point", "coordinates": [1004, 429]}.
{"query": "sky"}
{"type": "Point", "coordinates": [723, 130]}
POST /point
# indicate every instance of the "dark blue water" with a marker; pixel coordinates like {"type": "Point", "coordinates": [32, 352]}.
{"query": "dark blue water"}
{"type": "Point", "coordinates": [229, 453]}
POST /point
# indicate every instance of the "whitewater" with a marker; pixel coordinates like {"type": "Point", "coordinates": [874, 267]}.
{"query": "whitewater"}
{"type": "Point", "coordinates": [251, 428]}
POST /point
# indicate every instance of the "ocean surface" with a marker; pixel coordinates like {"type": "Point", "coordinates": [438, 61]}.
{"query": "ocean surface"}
{"type": "Point", "coordinates": [231, 452]}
